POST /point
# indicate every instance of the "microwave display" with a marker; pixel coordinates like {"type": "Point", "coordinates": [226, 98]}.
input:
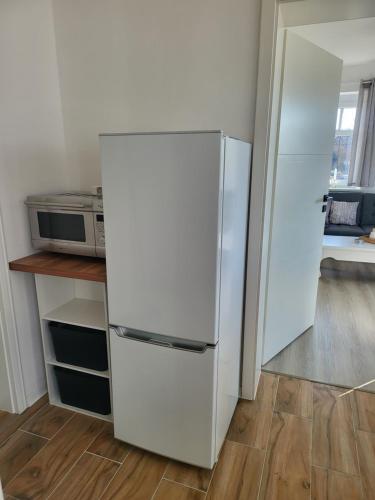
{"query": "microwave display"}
{"type": "Point", "coordinates": [60, 226]}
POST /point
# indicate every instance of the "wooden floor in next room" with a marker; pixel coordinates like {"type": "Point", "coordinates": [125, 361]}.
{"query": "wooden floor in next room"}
{"type": "Point", "coordinates": [340, 348]}
{"type": "Point", "coordinates": [296, 441]}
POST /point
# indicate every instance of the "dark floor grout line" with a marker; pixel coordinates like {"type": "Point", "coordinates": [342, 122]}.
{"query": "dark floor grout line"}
{"type": "Point", "coordinates": [157, 487]}
{"type": "Point", "coordinates": [104, 458]}
{"type": "Point", "coordinates": [334, 386]}
{"type": "Point", "coordinates": [245, 444]}
{"type": "Point", "coordinates": [370, 433]}
{"type": "Point", "coordinates": [268, 441]}
{"type": "Point", "coordinates": [161, 479]}
{"type": "Point", "coordinates": [213, 472]}
{"type": "Point", "coordinates": [34, 415]}
{"type": "Point", "coordinates": [335, 470]}
{"type": "Point", "coordinates": [41, 449]}
{"type": "Point", "coordinates": [182, 484]}
{"type": "Point", "coordinates": [351, 404]}
{"type": "Point", "coordinates": [354, 410]}
{"type": "Point", "coordinates": [276, 392]}
{"type": "Point", "coordinates": [309, 419]}
{"type": "Point", "coordinates": [75, 463]}
{"type": "Point", "coordinates": [64, 476]}
{"type": "Point", "coordinates": [33, 434]}
{"type": "Point", "coordinates": [16, 415]}
{"type": "Point", "coordinates": [62, 427]}
{"type": "Point", "coordinates": [115, 474]}
{"type": "Point", "coordinates": [313, 381]}
{"type": "Point", "coordinates": [282, 412]}
{"type": "Point", "coordinates": [359, 467]}
{"type": "Point", "coordinates": [26, 464]}
{"type": "Point", "coordinates": [3, 443]}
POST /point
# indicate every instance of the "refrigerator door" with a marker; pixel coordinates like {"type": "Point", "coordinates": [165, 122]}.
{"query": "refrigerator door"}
{"type": "Point", "coordinates": [164, 398]}
{"type": "Point", "coordinates": [162, 203]}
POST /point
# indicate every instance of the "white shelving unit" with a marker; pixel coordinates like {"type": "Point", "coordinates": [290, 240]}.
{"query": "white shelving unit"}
{"type": "Point", "coordinates": [54, 396]}
{"type": "Point", "coordinates": [80, 312]}
{"type": "Point", "coordinates": [73, 302]}
{"type": "Point", "coordinates": [104, 373]}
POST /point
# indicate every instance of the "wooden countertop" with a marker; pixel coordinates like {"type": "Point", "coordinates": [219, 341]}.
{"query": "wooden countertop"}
{"type": "Point", "coordinates": [65, 265]}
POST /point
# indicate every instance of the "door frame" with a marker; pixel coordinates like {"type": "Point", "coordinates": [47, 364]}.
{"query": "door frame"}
{"type": "Point", "coordinates": [263, 174]}
{"type": "Point", "coordinates": [8, 330]}
{"type": "Point", "coordinates": [260, 204]}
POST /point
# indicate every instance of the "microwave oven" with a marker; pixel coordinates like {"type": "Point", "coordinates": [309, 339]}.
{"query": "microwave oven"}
{"type": "Point", "coordinates": [68, 223]}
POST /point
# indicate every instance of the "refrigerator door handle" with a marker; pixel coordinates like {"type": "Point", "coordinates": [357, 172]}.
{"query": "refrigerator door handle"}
{"type": "Point", "coordinates": [119, 331]}
{"type": "Point", "coordinates": [162, 343]}
{"type": "Point", "coordinates": [159, 340]}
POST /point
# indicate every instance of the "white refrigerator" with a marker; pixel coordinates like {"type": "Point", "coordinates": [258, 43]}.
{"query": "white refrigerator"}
{"type": "Point", "coordinates": [176, 216]}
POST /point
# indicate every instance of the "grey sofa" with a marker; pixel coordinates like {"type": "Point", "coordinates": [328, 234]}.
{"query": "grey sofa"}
{"type": "Point", "coordinates": [365, 214]}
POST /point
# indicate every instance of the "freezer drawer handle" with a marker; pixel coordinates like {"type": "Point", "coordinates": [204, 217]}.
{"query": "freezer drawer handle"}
{"type": "Point", "coordinates": [125, 333]}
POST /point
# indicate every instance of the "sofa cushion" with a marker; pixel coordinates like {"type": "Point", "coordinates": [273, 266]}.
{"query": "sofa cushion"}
{"type": "Point", "coordinates": [344, 212]}
{"type": "Point", "coordinates": [368, 210]}
{"type": "Point", "coordinates": [341, 230]}
{"type": "Point", "coordinates": [349, 196]}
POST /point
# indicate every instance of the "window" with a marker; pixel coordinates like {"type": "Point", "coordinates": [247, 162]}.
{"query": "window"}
{"type": "Point", "coordinates": [343, 139]}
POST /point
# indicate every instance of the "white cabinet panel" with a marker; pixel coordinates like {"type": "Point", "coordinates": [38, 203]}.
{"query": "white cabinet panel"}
{"type": "Point", "coordinates": [234, 230]}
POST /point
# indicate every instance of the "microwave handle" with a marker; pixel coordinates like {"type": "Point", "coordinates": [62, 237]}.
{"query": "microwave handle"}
{"type": "Point", "coordinates": [46, 204]}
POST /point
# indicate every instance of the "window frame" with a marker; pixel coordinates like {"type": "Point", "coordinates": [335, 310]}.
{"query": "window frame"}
{"type": "Point", "coordinates": [348, 100]}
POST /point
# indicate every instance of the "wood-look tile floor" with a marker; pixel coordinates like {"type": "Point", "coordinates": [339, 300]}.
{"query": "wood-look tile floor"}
{"type": "Point", "coordinates": [340, 348]}
{"type": "Point", "coordinates": [297, 441]}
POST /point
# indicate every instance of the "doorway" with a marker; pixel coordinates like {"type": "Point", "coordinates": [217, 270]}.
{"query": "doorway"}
{"type": "Point", "coordinates": [333, 342]}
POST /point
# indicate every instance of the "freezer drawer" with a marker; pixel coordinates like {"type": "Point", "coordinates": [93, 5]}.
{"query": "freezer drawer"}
{"type": "Point", "coordinates": [164, 399]}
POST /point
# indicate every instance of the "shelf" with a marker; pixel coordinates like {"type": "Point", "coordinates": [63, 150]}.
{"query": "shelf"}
{"type": "Point", "coordinates": [80, 312]}
{"type": "Point", "coordinates": [108, 418]}
{"type": "Point", "coordinates": [65, 265]}
{"type": "Point", "coordinates": [104, 373]}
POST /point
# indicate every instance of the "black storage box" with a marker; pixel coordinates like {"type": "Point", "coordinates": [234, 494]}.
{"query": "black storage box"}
{"type": "Point", "coordinates": [76, 345]}
{"type": "Point", "coordinates": [83, 390]}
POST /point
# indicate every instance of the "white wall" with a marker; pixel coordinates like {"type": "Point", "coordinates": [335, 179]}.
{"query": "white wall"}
{"type": "Point", "coordinates": [121, 65]}
{"type": "Point", "coordinates": [353, 74]}
{"type": "Point", "coordinates": [297, 13]}
{"type": "Point", "coordinates": [32, 150]}
{"type": "Point", "coordinates": [154, 65]}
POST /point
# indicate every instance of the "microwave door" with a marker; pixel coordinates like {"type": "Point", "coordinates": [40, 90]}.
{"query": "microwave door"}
{"type": "Point", "coordinates": [60, 230]}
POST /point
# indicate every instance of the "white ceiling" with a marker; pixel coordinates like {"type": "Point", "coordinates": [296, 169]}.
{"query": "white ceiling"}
{"type": "Point", "coordinates": [352, 41]}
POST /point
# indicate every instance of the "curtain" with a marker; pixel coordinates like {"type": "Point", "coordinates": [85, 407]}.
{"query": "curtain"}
{"type": "Point", "coordinates": [362, 163]}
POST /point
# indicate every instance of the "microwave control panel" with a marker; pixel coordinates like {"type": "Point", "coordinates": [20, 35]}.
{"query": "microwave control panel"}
{"type": "Point", "coordinates": [99, 230]}
{"type": "Point", "coordinates": [97, 204]}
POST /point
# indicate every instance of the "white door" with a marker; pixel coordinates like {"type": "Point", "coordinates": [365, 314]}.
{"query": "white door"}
{"type": "Point", "coordinates": [309, 99]}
